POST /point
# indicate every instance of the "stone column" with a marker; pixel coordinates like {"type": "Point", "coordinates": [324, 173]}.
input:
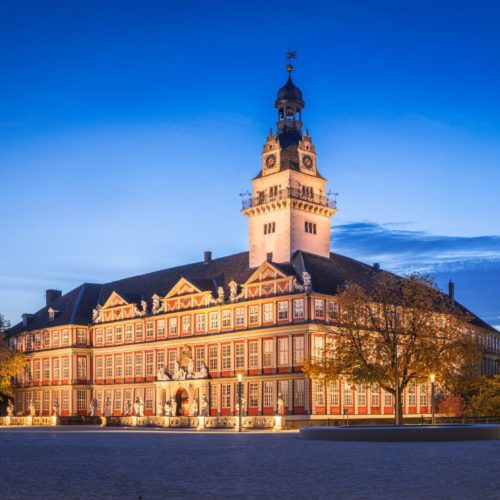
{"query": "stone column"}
{"type": "Point", "coordinates": [290, 352]}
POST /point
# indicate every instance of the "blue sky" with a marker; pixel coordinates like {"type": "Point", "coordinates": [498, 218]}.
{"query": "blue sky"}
{"type": "Point", "coordinates": [128, 129]}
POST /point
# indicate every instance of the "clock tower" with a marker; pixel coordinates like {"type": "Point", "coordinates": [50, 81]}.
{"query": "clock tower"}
{"type": "Point", "coordinates": [288, 209]}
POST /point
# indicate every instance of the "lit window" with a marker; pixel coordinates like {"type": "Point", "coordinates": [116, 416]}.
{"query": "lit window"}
{"type": "Point", "coordinates": [423, 394]}
{"type": "Point", "coordinates": [412, 395]}
{"type": "Point", "coordinates": [98, 368]}
{"type": "Point", "coordinates": [283, 390]}
{"type": "Point", "coordinates": [118, 400]}
{"type": "Point", "coordinates": [109, 367]}
{"type": "Point", "coordinates": [46, 369]}
{"type": "Point", "coordinates": [240, 316]}
{"type": "Point", "coordinates": [334, 393]}
{"type": "Point", "coordinates": [387, 398]}
{"type": "Point", "coordinates": [212, 358]}
{"type": "Point", "coordinates": [320, 392]}
{"type": "Point", "coordinates": [319, 308]}
{"type": "Point", "coordinates": [81, 368]}
{"type": "Point", "coordinates": [319, 347]}
{"type": "Point", "coordinates": [186, 324]}
{"type": "Point", "coordinates": [362, 395]}
{"type": "Point", "coordinates": [226, 318]}
{"type": "Point", "coordinates": [138, 364]}
{"type": "Point", "coordinates": [149, 363]}
{"type": "Point", "coordinates": [253, 355]}
{"type": "Point", "coordinates": [268, 394]}
{"type": "Point", "coordinates": [81, 400]}
{"type": "Point", "coordinates": [160, 325]}
{"type": "Point", "coordinates": [138, 331]}
{"type": "Point", "coordinates": [253, 395]}
{"type": "Point", "coordinates": [109, 335]}
{"type": "Point", "coordinates": [226, 357]}
{"type": "Point", "coordinates": [55, 338]}
{"type": "Point", "coordinates": [213, 395]}
{"type": "Point", "coordinates": [66, 368]}
{"type": "Point", "coordinates": [128, 333]}
{"type": "Point", "coordinates": [150, 329]}
{"type": "Point", "coordinates": [172, 358]}
{"type": "Point", "coordinates": [214, 320]}
{"type": "Point", "coordinates": [333, 310]}
{"type": "Point", "coordinates": [298, 350]}
{"type": "Point", "coordinates": [298, 309]}
{"type": "Point", "coordinates": [268, 353]}
{"type": "Point", "coordinates": [253, 314]}
{"type": "Point", "coordinates": [128, 365]}
{"type": "Point", "coordinates": [55, 369]}
{"type": "Point", "coordinates": [347, 394]}
{"type": "Point", "coordinates": [298, 392]}
{"type": "Point", "coordinates": [283, 352]}
{"type": "Point", "coordinates": [199, 358]}
{"type": "Point", "coordinates": [200, 322]}
{"type": "Point", "coordinates": [226, 395]}
{"type": "Point", "coordinates": [282, 310]}
{"type": "Point", "coordinates": [65, 337]}
{"type": "Point", "coordinates": [118, 334]}
{"type": "Point", "coordinates": [172, 326]}
{"type": "Point", "coordinates": [239, 354]}
{"type": "Point", "coordinates": [268, 313]}
{"type": "Point", "coordinates": [98, 336]}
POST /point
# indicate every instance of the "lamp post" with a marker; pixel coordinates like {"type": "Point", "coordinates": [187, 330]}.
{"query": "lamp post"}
{"type": "Point", "coordinates": [433, 398]}
{"type": "Point", "coordinates": [240, 390]}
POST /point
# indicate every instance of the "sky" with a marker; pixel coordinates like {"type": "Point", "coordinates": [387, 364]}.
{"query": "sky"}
{"type": "Point", "coordinates": [129, 129]}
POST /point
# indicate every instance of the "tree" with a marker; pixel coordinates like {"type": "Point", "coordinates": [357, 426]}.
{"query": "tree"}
{"type": "Point", "coordinates": [11, 363]}
{"type": "Point", "coordinates": [482, 396]}
{"type": "Point", "coordinates": [394, 331]}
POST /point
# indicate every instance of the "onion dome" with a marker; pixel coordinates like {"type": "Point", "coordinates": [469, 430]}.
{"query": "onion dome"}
{"type": "Point", "coordinates": [289, 92]}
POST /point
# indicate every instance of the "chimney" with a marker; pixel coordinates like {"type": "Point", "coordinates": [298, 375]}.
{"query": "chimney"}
{"type": "Point", "coordinates": [269, 256]}
{"type": "Point", "coordinates": [51, 296]}
{"type": "Point", "coordinates": [451, 292]}
{"type": "Point", "coordinates": [376, 266]}
{"type": "Point", "coordinates": [207, 256]}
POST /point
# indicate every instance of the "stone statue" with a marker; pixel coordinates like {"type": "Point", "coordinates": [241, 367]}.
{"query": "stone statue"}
{"type": "Point", "coordinates": [93, 407]}
{"type": "Point", "coordinates": [55, 409]}
{"type": "Point", "coordinates": [97, 314]}
{"type": "Point", "coordinates": [190, 368]}
{"type": "Point", "coordinates": [157, 305]}
{"type": "Point", "coordinates": [307, 280]}
{"type": "Point", "coordinates": [203, 373]}
{"type": "Point", "coordinates": [32, 409]}
{"type": "Point", "coordinates": [220, 294]}
{"type": "Point", "coordinates": [193, 410]}
{"type": "Point", "coordinates": [204, 406]}
{"type": "Point", "coordinates": [10, 408]}
{"type": "Point", "coordinates": [174, 407]}
{"type": "Point", "coordinates": [141, 407]}
{"type": "Point", "coordinates": [161, 375]}
{"type": "Point", "coordinates": [281, 405]}
{"type": "Point", "coordinates": [168, 408]}
{"type": "Point", "coordinates": [128, 408]}
{"type": "Point", "coordinates": [233, 290]}
{"type": "Point", "coordinates": [144, 306]}
{"type": "Point", "coordinates": [179, 373]}
{"type": "Point", "coordinates": [137, 405]}
{"type": "Point", "coordinates": [159, 409]}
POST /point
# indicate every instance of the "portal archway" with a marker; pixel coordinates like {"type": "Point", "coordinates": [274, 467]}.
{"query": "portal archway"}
{"type": "Point", "coordinates": [182, 400]}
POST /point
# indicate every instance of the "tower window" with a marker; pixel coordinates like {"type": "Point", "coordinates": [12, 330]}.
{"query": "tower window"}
{"type": "Point", "coordinates": [270, 227]}
{"type": "Point", "coordinates": [310, 227]}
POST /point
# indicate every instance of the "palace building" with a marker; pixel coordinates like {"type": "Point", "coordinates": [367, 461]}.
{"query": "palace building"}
{"type": "Point", "coordinates": [182, 335]}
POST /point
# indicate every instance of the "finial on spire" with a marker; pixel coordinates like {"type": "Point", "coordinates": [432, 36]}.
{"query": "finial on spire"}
{"type": "Point", "coordinates": [290, 54]}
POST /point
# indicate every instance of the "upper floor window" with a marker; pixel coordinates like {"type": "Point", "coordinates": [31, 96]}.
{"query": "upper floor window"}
{"type": "Point", "coordinates": [226, 357]}
{"type": "Point", "coordinates": [200, 322]}
{"type": "Point", "coordinates": [160, 325]}
{"type": "Point", "coordinates": [319, 308]}
{"type": "Point", "coordinates": [298, 309]}
{"type": "Point", "coordinates": [186, 324]}
{"type": "Point", "coordinates": [310, 227]}
{"type": "Point", "coordinates": [268, 312]}
{"type": "Point", "coordinates": [226, 319]}
{"type": "Point", "coordinates": [98, 336]}
{"type": "Point", "coordinates": [81, 336]}
{"type": "Point", "coordinates": [172, 326]}
{"type": "Point", "coordinates": [128, 332]}
{"type": "Point", "coordinates": [268, 353]}
{"type": "Point", "coordinates": [270, 227]}
{"type": "Point", "coordinates": [109, 335]}
{"type": "Point", "coordinates": [253, 315]}
{"type": "Point", "coordinates": [214, 320]}
{"type": "Point", "coordinates": [118, 334]}
{"type": "Point", "coordinates": [333, 310]}
{"type": "Point", "coordinates": [253, 357]}
{"type": "Point", "coordinates": [283, 310]}
{"type": "Point", "coordinates": [138, 331]}
{"type": "Point", "coordinates": [150, 330]}
{"type": "Point", "coordinates": [240, 316]}
{"type": "Point", "coordinates": [46, 339]}
{"type": "Point", "coordinates": [65, 337]}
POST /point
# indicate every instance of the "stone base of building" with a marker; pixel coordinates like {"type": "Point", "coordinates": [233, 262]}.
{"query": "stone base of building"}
{"type": "Point", "coordinates": [29, 421]}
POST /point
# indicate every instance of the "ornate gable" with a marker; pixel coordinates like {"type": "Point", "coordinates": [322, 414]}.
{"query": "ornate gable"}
{"type": "Point", "coordinates": [183, 287]}
{"type": "Point", "coordinates": [267, 280]}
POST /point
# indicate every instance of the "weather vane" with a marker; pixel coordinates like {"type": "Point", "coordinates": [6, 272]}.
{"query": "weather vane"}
{"type": "Point", "coordinates": [290, 54]}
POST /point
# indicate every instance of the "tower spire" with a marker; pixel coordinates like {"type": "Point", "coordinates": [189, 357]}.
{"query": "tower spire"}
{"type": "Point", "coordinates": [290, 54]}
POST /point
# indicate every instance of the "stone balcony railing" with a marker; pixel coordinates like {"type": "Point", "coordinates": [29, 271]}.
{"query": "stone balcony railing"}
{"type": "Point", "coordinates": [289, 193]}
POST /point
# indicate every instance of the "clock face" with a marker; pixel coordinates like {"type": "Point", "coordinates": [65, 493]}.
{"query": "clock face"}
{"type": "Point", "coordinates": [271, 161]}
{"type": "Point", "coordinates": [307, 161]}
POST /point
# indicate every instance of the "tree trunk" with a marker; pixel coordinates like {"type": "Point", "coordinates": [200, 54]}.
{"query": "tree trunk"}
{"type": "Point", "coordinates": [398, 408]}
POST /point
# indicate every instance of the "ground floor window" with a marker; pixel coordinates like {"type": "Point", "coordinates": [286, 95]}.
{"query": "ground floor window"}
{"type": "Point", "coordinates": [81, 401]}
{"type": "Point", "coordinates": [334, 393]}
{"type": "Point", "coordinates": [347, 394]}
{"type": "Point", "coordinates": [320, 392]}
{"type": "Point", "coordinates": [268, 394]}
{"type": "Point", "coordinates": [283, 390]}
{"type": "Point", "coordinates": [65, 400]}
{"type": "Point", "coordinates": [149, 399]}
{"type": "Point", "coordinates": [253, 395]}
{"type": "Point", "coordinates": [298, 392]}
{"type": "Point", "coordinates": [226, 395]}
{"type": "Point", "coordinates": [375, 395]}
{"type": "Point", "coordinates": [213, 396]}
{"type": "Point", "coordinates": [118, 400]}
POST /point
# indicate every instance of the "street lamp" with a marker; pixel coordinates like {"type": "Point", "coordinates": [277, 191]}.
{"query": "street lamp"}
{"type": "Point", "coordinates": [433, 398]}
{"type": "Point", "coordinates": [240, 393]}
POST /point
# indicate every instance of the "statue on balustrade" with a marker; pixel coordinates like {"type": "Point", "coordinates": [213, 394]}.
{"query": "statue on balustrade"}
{"type": "Point", "coordinates": [32, 409]}
{"type": "Point", "coordinates": [168, 408]}
{"type": "Point", "coordinates": [128, 408]}
{"type": "Point", "coordinates": [10, 408]}
{"type": "Point", "coordinates": [204, 406]}
{"type": "Point", "coordinates": [93, 407]}
{"type": "Point", "coordinates": [281, 405]}
{"type": "Point", "coordinates": [55, 409]}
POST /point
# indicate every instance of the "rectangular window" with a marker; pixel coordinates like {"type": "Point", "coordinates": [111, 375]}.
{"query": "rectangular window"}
{"type": "Point", "coordinates": [46, 369]}
{"type": "Point", "coordinates": [362, 395]}
{"type": "Point", "coordinates": [186, 324]}
{"type": "Point", "coordinates": [310, 227]}
{"type": "Point", "coordinates": [37, 341]}
{"type": "Point", "coordinates": [298, 350]}
{"type": "Point", "coordinates": [160, 360]}
{"type": "Point", "coordinates": [375, 397]}
{"type": "Point", "coordinates": [128, 365]}
{"type": "Point", "coordinates": [81, 368]}
{"type": "Point", "coordinates": [226, 318]}
{"type": "Point", "coordinates": [319, 347]}
{"type": "Point", "coordinates": [212, 358]}
{"type": "Point", "coordinates": [118, 366]}
{"type": "Point", "coordinates": [98, 336]}
{"type": "Point", "coordinates": [150, 330]}
{"type": "Point", "coordinates": [200, 322]}
{"type": "Point", "coordinates": [129, 332]}
{"type": "Point", "coordinates": [55, 371]}
{"type": "Point", "coordinates": [109, 335]}
{"type": "Point", "coordinates": [268, 353]}
{"type": "Point", "coordinates": [239, 355]}
{"type": "Point", "coordinates": [172, 326]}
{"type": "Point", "coordinates": [270, 227]}
{"type": "Point", "coordinates": [149, 363]}
{"type": "Point", "coordinates": [148, 398]}
{"type": "Point", "coordinates": [423, 394]}
{"type": "Point", "coordinates": [160, 327]}
{"type": "Point", "coordinates": [239, 316]}
{"type": "Point", "coordinates": [253, 315]}
{"type": "Point", "coordinates": [98, 368]}
{"type": "Point", "coordinates": [214, 320]}
{"type": "Point", "coordinates": [119, 334]}
{"type": "Point", "coordinates": [333, 310]}
{"type": "Point", "coordinates": [65, 368]}
{"type": "Point", "coordinates": [334, 393]}
{"type": "Point", "coordinates": [283, 390]}
{"type": "Point", "coordinates": [412, 394]}
{"type": "Point", "coordinates": [118, 400]}
{"type": "Point", "coordinates": [226, 395]}
{"type": "Point", "coordinates": [268, 315]}
{"type": "Point", "coordinates": [109, 367]}
{"type": "Point", "coordinates": [138, 365]}
{"type": "Point", "coordinates": [172, 357]}
{"type": "Point", "coordinates": [65, 336]}
{"type": "Point", "coordinates": [298, 309]}
{"type": "Point", "coordinates": [213, 395]}
{"type": "Point", "coordinates": [253, 395]}
{"type": "Point", "coordinates": [46, 339]}
{"type": "Point", "coordinates": [138, 331]}
{"type": "Point", "coordinates": [46, 400]}
{"type": "Point", "coordinates": [55, 338]}
{"type": "Point", "coordinates": [347, 394]}
{"type": "Point", "coordinates": [226, 357]}
{"type": "Point", "coordinates": [268, 394]}
{"type": "Point", "coordinates": [283, 352]}
{"type": "Point", "coordinates": [29, 341]}
{"type": "Point", "coordinates": [387, 399]}
{"type": "Point", "coordinates": [253, 361]}
{"type": "Point", "coordinates": [81, 400]}
{"type": "Point", "coordinates": [199, 358]}
{"type": "Point", "coordinates": [282, 310]}
{"type": "Point", "coordinates": [320, 392]}
{"type": "Point", "coordinates": [319, 308]}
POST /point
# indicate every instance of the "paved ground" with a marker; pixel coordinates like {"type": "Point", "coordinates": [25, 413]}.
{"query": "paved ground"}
{"type": "Point", "coordinates": [89, 462]}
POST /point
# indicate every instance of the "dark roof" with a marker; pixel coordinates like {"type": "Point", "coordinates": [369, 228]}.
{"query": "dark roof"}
{"type": "Point", "coordinates": [328, 275]}
{"type": "Point", "coordinates": [289, 92]}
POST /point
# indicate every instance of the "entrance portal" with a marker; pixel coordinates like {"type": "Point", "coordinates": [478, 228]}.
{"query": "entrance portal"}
{"type": "Point", "coordinates": [182, 400]}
